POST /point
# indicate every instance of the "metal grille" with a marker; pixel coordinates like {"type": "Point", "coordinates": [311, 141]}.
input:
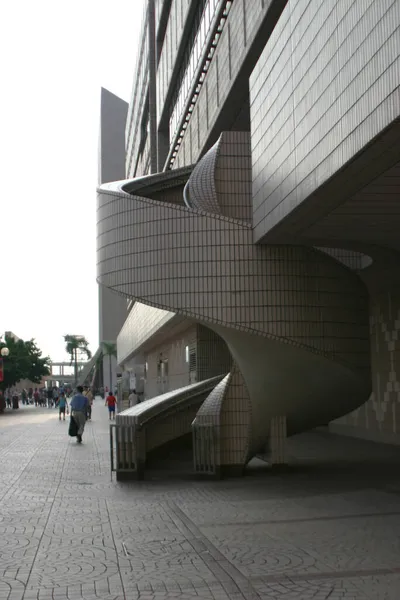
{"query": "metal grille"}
{"type": "Point", "coordinates": [122, 448]}
{"type": "Point", "coordinates": [204, 447]}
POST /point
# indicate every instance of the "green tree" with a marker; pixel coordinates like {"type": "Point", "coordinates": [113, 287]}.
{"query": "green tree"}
{"type": "Point", "coordinates": [24, 361]}
{"type": "Point", "coordinates": [76, 345]}
{"type": "Point", "coordinates": [110, 350]}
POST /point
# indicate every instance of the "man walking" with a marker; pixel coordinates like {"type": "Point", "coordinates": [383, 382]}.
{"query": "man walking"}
{"type": "Point", "coordinates": [79, 405]}
{"type": "Point", "coordinates": [50, 397]}
{"type": "Point", "coordinates": [89, 396]}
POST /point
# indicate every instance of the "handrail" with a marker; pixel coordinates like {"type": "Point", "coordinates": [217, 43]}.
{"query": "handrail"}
{"type": "Point", "coordinates": [186, 195]}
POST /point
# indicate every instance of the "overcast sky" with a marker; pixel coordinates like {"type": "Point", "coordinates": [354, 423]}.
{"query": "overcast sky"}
{"type": "Point", "coordinates": [55, 58]}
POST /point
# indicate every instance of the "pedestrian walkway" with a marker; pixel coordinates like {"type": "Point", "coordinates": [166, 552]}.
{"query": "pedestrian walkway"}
{"type": "Point", "coordinates": [329, 529]}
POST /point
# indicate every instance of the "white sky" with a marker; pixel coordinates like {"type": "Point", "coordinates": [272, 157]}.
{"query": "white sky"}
{"type": "Point", "coordinates": [55, 58]}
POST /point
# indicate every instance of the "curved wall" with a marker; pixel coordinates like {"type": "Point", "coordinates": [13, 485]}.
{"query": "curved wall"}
{"type": "Point", "coordinates": [206, 267]}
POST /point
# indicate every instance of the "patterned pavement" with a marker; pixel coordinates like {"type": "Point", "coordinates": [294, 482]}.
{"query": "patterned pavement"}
{"type": "Point", "coordinates": [327, 529]}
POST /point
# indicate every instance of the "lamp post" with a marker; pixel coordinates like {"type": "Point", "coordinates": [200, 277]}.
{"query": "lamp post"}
{"type": "Point", "coordinates": [4, 353]}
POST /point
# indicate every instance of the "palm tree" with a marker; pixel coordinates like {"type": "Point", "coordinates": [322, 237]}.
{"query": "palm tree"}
{"type": "Point", "coordinates": [110, 350]}
{"type": "Point", "coordinates": [73, 345]}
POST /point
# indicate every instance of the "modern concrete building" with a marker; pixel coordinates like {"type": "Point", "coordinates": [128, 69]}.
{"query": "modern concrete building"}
{"type": "Point", "coordinates": [111, 162]}
{"type": "Point", "coordinates": [256, 228]}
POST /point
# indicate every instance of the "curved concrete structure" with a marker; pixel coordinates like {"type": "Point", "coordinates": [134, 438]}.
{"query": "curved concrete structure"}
{"type": "Point", "coordinates": [295, 319]}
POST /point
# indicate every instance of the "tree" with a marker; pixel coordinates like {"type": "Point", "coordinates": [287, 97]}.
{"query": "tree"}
{"type": "Point", "coordinates": [24, 361]}
{"type": "Point", "coordinates": [110, 350]}
{"type": "Point", "coordinates": [75, 344]}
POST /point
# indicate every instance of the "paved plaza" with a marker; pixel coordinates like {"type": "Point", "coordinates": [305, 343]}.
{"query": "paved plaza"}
{"type": "Point", "coordinates": [329, 528]}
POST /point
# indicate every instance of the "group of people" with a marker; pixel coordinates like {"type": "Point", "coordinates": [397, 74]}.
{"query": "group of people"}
{"type": "Point", "coordinates": [62, 402]}
{"type": "Point", "coordinates": [81, 410]}
{"type": "Point", "coordinates": [48, 397]}
{"type": "Point", "coordinates": [80, 406]}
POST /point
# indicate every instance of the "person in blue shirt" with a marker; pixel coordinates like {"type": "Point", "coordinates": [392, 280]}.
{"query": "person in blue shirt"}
{"type": "Point", "coordinates": [62, 406]}
{"type": "Point", "coordinates": [79, 408]}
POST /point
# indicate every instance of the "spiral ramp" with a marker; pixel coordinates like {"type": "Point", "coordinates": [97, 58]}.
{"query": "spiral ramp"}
{"type": "Point", "coordinates": [295, 319]}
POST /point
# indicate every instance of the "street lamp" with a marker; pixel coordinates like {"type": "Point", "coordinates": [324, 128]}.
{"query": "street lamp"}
{"type": "Point", "coordinates": [4, 352]}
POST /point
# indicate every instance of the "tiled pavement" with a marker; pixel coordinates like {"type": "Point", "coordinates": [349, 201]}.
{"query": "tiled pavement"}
{"type": "Point", "coordinates": [330, 529]}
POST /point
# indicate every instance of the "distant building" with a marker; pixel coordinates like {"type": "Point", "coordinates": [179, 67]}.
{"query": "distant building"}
{"type": "Point", "coordinates": [112, 307]}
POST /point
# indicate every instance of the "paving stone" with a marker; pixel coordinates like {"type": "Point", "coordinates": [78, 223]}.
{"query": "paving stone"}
{"type": "Point", "coordinates": [68, 532]}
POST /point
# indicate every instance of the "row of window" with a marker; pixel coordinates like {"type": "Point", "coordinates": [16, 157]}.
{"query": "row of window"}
{"type": "Point", "coordinates": [194, 52]}
{"type": "Point", "coordinates": [140, 88]}
{"type": "Point", "coordinates": [190, 73]}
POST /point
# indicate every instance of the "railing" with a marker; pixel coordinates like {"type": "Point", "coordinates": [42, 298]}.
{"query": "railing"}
{"type": "Point", "coordinates": [122, 449]}
{"type": "Point", "coordinates": [205, 441]}
{"type": "Point", "coordinates": [129, 442]}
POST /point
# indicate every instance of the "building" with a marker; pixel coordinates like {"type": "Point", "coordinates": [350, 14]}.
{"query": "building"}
{"type": "Point", "coordinates": [111, 161]}
{"type": "Point", "coordinates": [258, 224]}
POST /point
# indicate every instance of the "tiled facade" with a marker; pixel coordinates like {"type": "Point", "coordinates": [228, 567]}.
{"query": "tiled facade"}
{"type": "Point", "coordinates": [379, 418]}
{"type": "Point", "coordinates": [255, 253]}
{"type": "Point", "coordinates": [325, 85]}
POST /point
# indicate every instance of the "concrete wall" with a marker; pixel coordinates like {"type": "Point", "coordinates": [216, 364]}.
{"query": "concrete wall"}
{"type": "Point", "coordinates": [141, 323]}
{"type": "Point", "coordinates": [173, 351]}
{"type": "Point", "coordinates": [195, 354]}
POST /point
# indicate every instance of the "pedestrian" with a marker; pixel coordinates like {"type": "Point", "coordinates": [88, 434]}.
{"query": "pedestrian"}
{"type": "Point", "coordinates": [36, 397]}
{"type": "Point", "coordinates": [111, 402]}
{"type": "Point", "coordinates": [62, 406]}
{"type": "Point", "coordinates": [49, 397]}
{"type": "Point", "coordinates": [15, 399]}
{"type": "Point", "coordinates": [89, 396]}
{"type": "Point", "coordinates": [56, 395]}
{"type": "Point", "coordinates": [78, 406]}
